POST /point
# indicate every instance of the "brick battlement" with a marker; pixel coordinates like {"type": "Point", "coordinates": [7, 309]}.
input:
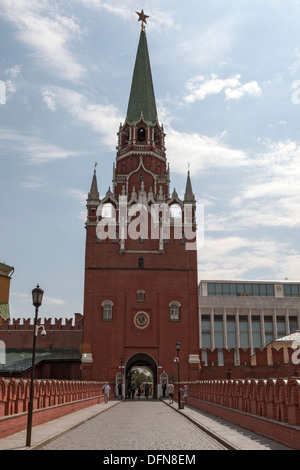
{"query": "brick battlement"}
{"type": "Point", "coordinates": [61, 333]}
{"type": "Point", "coordinates": [267, 362]}
{"type": "Point", "coordinates": [23, 324]}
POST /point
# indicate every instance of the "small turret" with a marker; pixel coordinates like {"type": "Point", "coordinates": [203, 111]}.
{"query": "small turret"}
{"type": "Point", "coordinates": [93, 196]}
{"type": "Point", "coordinates": [189, 196]}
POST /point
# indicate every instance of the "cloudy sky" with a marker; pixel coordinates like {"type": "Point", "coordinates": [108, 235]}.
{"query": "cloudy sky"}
{"type": "Point", "coordinates": [227, 83]}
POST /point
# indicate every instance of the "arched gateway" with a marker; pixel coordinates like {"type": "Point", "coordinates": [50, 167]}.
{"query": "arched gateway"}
{"type": "Point", "coordinates": [146, 361]}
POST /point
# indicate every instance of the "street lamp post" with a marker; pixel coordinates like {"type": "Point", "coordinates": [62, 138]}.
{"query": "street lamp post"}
{"type": "Point", "coordinates": [178, 346]}
{"type": "Point", "coordinates": [37, 297]}
{"type": "Point", "coordinates": [121, 360]}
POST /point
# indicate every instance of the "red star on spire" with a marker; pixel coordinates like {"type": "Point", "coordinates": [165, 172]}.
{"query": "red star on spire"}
{"type": "Point", "coordinates": [142, 18]}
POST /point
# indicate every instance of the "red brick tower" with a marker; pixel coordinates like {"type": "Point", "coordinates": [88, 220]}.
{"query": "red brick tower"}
{"type": "Point", "coordinates": [141, 295]}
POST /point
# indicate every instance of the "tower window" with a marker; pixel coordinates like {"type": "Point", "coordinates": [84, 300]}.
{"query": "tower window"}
{"type": "Point", "coordinates": [141, 134]}
{"type": "Point", "coordinates": [141, 263]}
{"type": "Point", "coordinates": [174, 310]}
{"type": "Point", "coordinates": [141, 177]}
{"type": "Point", "coordinates": [107, 306]}
{"type": "Point", "coordinates": [140, 295]}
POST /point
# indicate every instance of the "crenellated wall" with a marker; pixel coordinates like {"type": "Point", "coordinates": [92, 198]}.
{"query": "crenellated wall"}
{"type": "Point", "coordinates": [268, 362]}
{"type": "Point", "coordinates": [61, 333]}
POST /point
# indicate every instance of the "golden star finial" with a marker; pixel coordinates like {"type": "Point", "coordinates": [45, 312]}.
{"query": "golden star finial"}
{"type": "Point", "coordinates": [142, 18]}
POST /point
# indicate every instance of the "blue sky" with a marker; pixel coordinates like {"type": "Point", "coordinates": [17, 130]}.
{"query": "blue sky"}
{"type": "Point", "coordinates": [227, 84]}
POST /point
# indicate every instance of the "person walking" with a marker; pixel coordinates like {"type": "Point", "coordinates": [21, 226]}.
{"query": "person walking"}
{"type": "Point", "coordinates": [120, 391]}
{"type": "Point", "coordinates": [106, 389]}
{"type": "Point", "coordinates": [171, 392]}
{"type": "Point", "coordinates": [185, 394]}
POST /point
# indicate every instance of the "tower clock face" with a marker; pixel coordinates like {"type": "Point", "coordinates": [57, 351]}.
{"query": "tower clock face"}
{"type": "Point", "coordinates": [141, 320]}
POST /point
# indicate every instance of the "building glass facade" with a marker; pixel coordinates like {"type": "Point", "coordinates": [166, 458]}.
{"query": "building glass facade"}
{"type": "Point", "coordinates": [240, 289]}
{"type": "Point", "coordinates": [244, 315]}
{"type": "Point", "coordinates": [292, 290]}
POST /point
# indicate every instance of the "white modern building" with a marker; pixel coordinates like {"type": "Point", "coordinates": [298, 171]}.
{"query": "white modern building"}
{"type": "Point", "coordinates": [246, 314]}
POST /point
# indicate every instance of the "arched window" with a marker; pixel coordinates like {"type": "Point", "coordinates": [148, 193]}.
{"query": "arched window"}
{"type": "Point", "coordinates": [140, 295]}
{"type": "Point", "coordinates": [175, 310]}
{"type": "Point", "coordinates": [175, 212]}
{"type": "Point", "coordinates": [107, 306]}
{"type": "Point", "coordinates": [108, 210]}
{"type": "Point", "coordinates": [141, 134]}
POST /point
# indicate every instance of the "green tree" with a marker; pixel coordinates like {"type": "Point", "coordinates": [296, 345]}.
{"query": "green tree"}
{"type": "Point", "coordinates": [140, 375]}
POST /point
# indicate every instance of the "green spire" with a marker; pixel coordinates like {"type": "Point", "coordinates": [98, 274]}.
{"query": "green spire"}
{"type": "Point", "coordinates": [142, 99]}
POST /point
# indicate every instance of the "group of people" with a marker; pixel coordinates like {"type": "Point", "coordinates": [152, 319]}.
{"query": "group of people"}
{"type": "Point", "coordinates": [170, 389]}
{"type": "Point", "coordinates": [130, 392]}
{"type": "Point", "coordinates": [133, 391]}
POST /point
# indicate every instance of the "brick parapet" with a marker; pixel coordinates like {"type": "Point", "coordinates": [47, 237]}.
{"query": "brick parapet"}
{"type": "Point", "coordinates": [269, 407]}
{"type": "Point", "coordinates": [51, 399]}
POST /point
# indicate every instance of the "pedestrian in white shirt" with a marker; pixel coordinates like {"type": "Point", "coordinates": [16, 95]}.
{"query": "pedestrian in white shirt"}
{"type": "Point", "coordinates": [106, 389]}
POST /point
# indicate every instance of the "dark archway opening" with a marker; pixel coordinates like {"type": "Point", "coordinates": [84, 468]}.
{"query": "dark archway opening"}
{"type": "Point", "coordinates": [143, 364]}
{"type": "Point", "coordinates": [141, 134]}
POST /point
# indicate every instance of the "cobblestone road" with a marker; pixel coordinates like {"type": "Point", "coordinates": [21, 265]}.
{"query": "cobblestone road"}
{"type": "Point", "coordinates": [136, 425]}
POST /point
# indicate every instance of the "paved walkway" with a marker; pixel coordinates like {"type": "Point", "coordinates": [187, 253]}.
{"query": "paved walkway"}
{"type": "Point", "coordinates": [233, 436]}
{"type": "Point", "coordinates": [46, 433]}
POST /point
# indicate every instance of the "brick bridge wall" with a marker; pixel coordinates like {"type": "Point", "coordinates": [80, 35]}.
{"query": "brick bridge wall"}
{"type": "Point", "coordinates": [269, 407]}
{"type": "Point", "coordinates": [52, 399]}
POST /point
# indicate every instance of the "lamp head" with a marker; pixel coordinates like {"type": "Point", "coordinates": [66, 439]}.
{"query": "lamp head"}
{"type": "Point", "coordinates": [178, 346]}
{"type": "Point", "coordinates": [37, 296]}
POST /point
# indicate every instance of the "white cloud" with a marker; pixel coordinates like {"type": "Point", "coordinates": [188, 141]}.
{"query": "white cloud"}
{"type": "Point", "coordinates": [49, 99]}
{"type": "Point", "coordinates": [250, 88]}
{"type": "Point", "coordinates": [79, 196]}
{"type": "Point", "coordinates": [53, 301]}
{"type": "Point", "coordinates": [32, 183]}
{"type": "Point", "coordinates": [28, 299]}
{"type": "Point", "coordinates": [159, 19]}
{"type": "Point", "coordinates": [104, 119]}
{"type": "Point", "coordinates": [14, 75]}
{"type": "Point", "coordinates": [200, 87]}
{"type": "Point", "coordinates": [269, 196]}
{"type": "Point", "coordinates": [201, 152]}
{"type": "Point", "coordinates": [31, 147]}
{"type": "Point", "coordinates": [273, 197]}
{"type": "Point", "coordinates": [210, 43]}
{"type": "Point", "coordinates": [237, 257]}
{"type": "Point", "coordinates": [113, 6]}
{"type": "Point", "coordinates": [47, 33]}
{"type": "Point", "coordinates": [14, 72]}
